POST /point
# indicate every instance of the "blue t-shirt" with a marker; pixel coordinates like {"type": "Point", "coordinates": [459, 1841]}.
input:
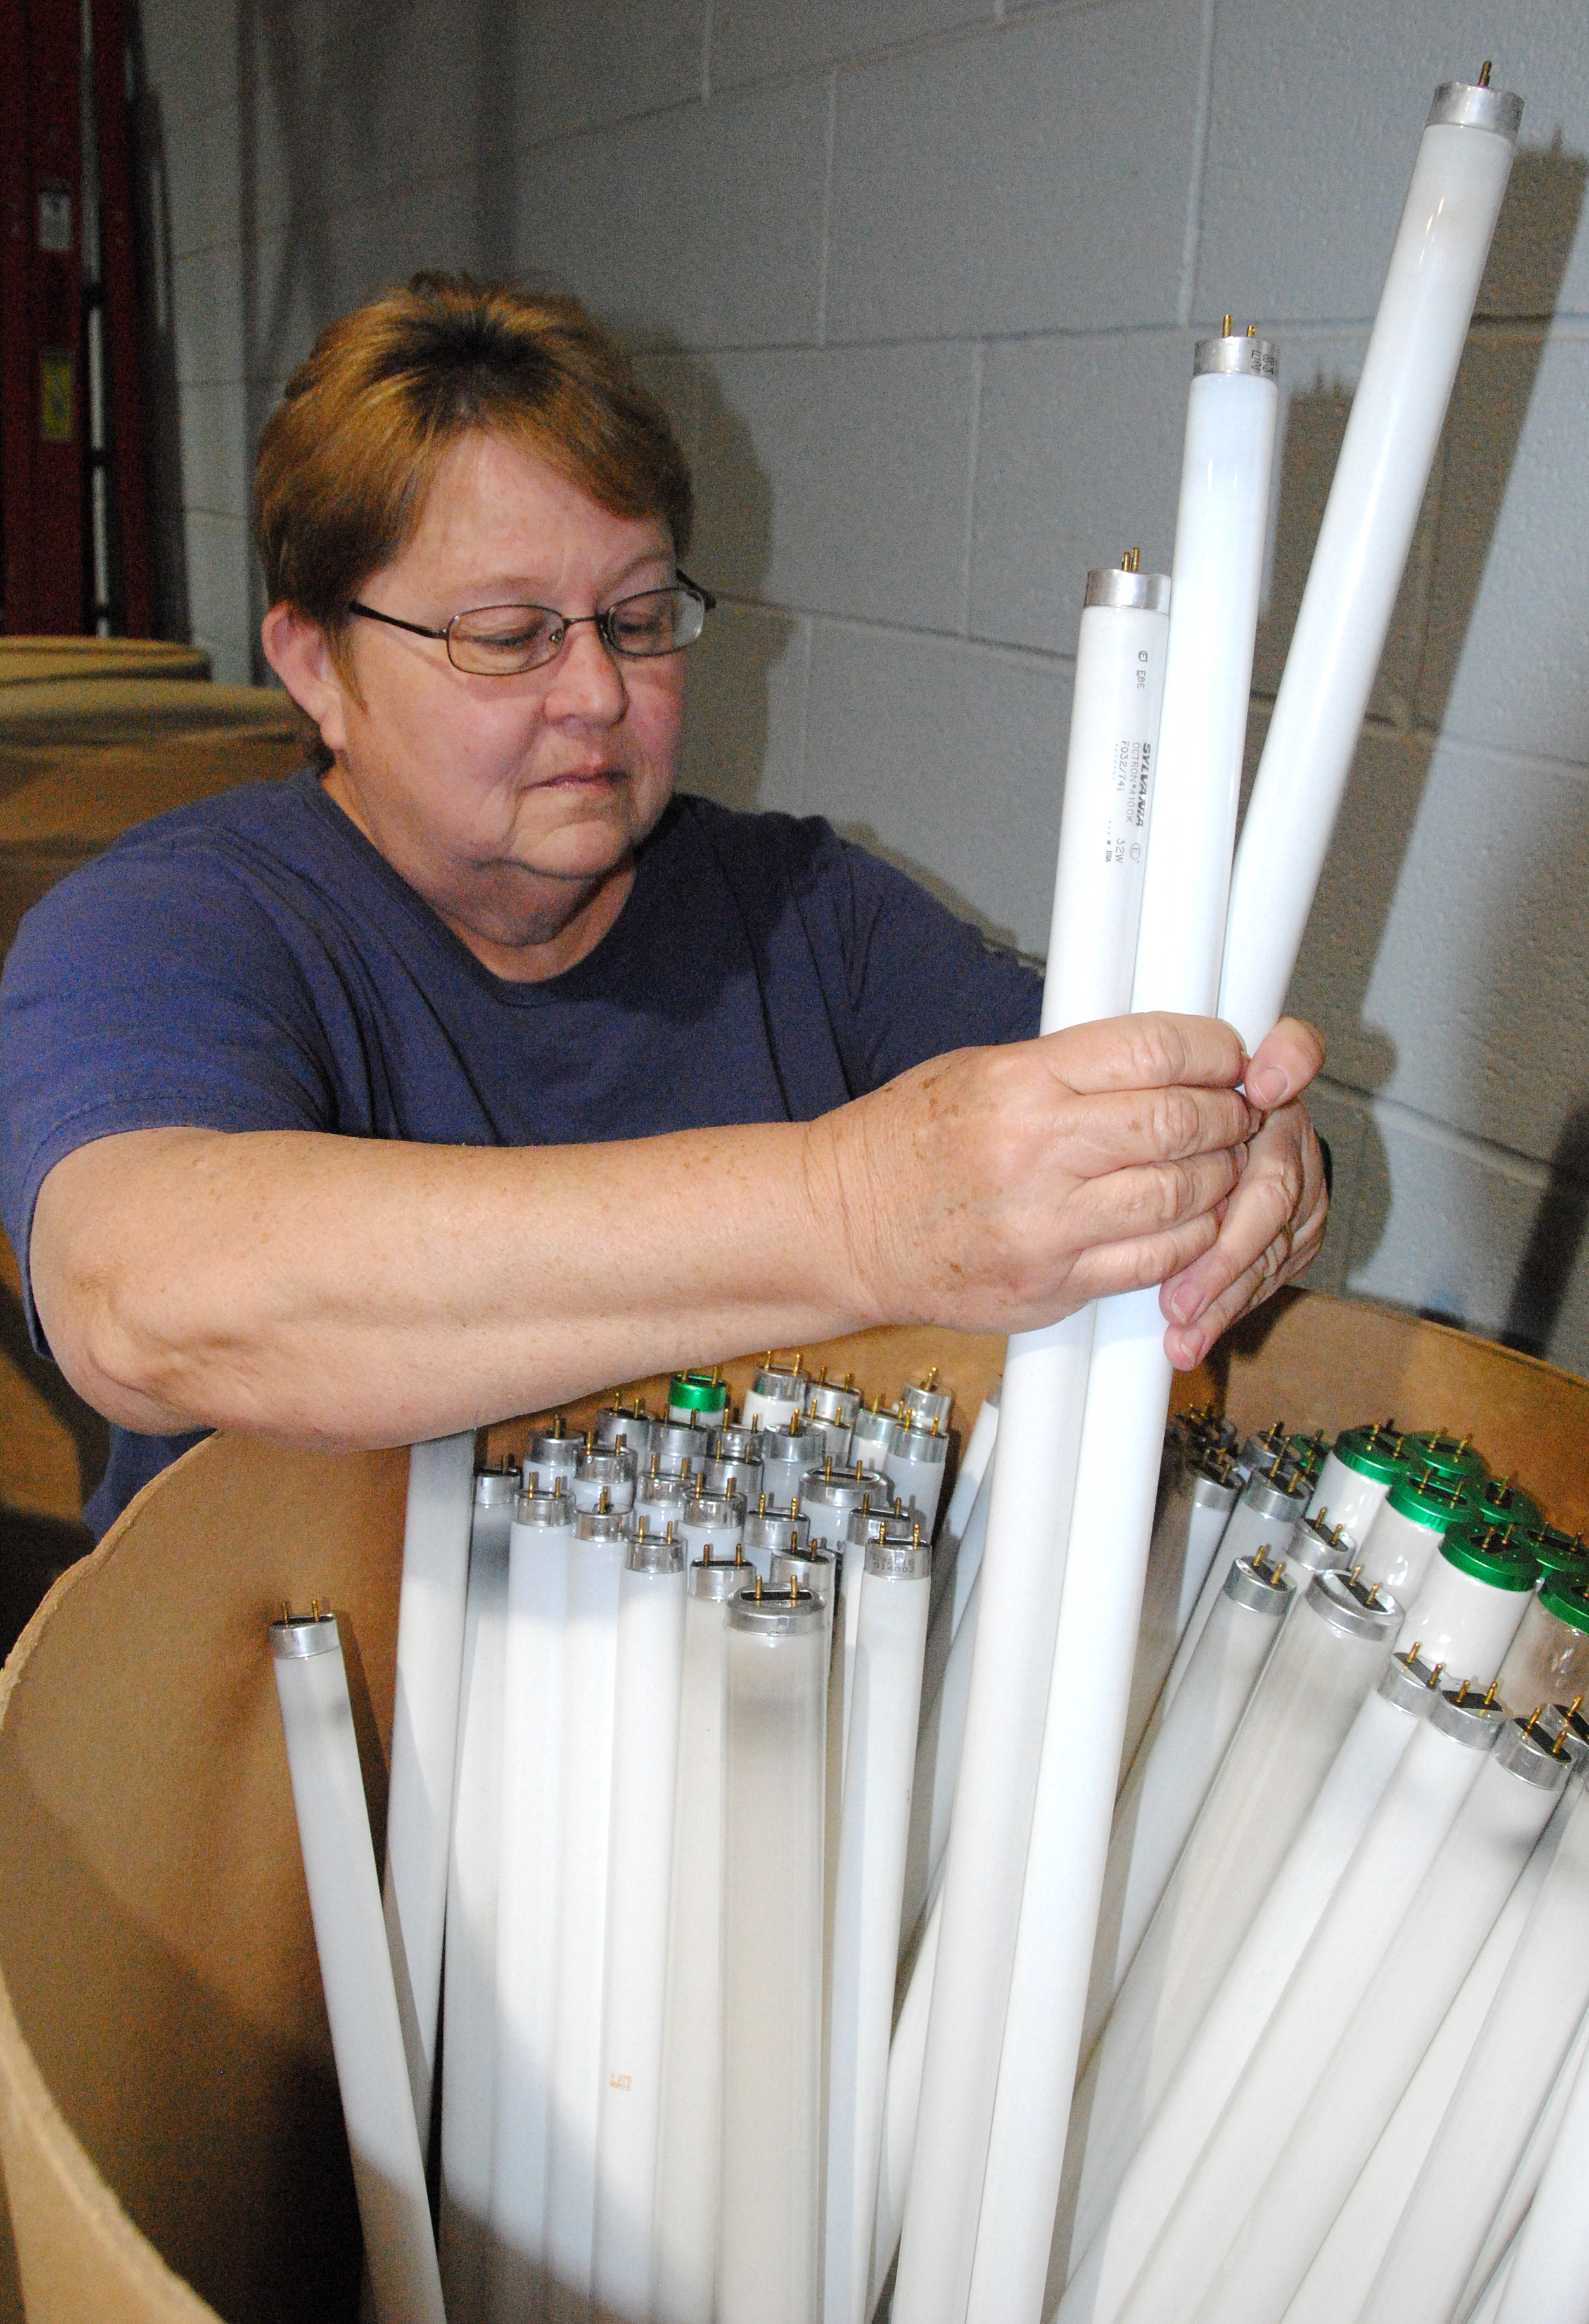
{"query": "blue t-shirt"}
{"type": "Point", "coordinates": [253, 963]}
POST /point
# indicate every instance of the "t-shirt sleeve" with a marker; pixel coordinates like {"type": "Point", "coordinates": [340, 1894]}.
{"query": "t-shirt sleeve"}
{"type": "Point", "coordinates": [919, 981]}
{"type": "Point", "coordinates": [146, 993]}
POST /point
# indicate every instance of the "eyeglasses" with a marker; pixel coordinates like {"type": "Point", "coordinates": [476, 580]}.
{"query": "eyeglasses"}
{"type": "Point", "coordinates": [503, 640]}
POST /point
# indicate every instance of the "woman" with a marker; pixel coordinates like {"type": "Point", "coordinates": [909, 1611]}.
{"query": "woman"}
{"type": "Point", "coordinates": [471, 1069]}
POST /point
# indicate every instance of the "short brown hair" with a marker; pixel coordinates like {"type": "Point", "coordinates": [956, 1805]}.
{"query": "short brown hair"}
{"type": "Point", "coordinates": [348, 458]}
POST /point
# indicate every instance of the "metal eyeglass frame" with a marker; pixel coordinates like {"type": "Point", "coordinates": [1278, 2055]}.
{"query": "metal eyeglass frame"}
{"type": "Point", "coordinates": [601, 622]}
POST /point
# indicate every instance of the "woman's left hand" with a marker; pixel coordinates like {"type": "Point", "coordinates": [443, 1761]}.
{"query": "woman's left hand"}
{"type": "Point", "coordinates": [1274, 1221]}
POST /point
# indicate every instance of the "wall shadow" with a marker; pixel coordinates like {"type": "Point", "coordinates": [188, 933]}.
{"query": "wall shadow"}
{"type": "Point", "coordinates": [1544, 1271]}
{"type": "Point", "coordinates": [1428, 631]}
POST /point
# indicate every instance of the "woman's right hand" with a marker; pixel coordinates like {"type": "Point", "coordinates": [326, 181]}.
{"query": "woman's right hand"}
{"type": "Point", "coordinates": [999, 1189]}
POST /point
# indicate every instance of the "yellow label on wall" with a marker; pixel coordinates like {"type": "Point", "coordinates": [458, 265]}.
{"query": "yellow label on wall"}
{"type": "Point", "coordinates": [55, 398]}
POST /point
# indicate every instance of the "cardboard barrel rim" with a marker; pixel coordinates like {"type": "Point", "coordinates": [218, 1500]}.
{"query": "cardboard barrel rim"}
{"type": "Point", "coordinates": [168, 2124]}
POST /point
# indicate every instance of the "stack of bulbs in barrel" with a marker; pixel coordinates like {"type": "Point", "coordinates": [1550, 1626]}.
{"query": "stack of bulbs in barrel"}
{"type": "Point", "coordinates": [714, 1688]}
{"type": "Point", "coordinates": [729, 2034]}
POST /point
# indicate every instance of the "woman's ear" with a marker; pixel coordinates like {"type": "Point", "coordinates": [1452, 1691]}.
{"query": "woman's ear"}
{"type": "Point", "coordinates": [297, 651]}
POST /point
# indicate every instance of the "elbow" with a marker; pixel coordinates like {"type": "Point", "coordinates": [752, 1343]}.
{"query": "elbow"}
{"type": "Point", "coordinates": [115, 1353]}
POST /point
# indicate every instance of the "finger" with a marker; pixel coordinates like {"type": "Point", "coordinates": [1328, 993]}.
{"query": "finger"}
{"type": "Point", "coordinates": [1125, 1128]}
{"type": "Point", "coordinates": [1155, 1198]}
{"type": "Point", "coordinates": [1286, 1258]}
{"type": "Point", "coordinates": [1282, 1066]}
{"type": "Point", "coordinates": [1278, 1189]}
{"type": "Point", "coordinates": [1156, 1051]}
{"type": "Point", "coordinates": [1287, 1254]}
{"type": "Point", "coordinates": [1141, 1261]}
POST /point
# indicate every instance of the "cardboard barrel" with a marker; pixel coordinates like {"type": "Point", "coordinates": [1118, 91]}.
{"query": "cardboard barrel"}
{"type": "Point", "coordinates": [169, 2119]}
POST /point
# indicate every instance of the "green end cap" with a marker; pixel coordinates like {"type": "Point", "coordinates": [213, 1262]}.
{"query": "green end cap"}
{"type": "Point", "coordinates": [1370, 1453]}
{"type": "Point", "coordinates": [1433, 1501]}
{"type": "Point", "coordinates": [1554, 1551]}
{"type": "Point", "coordinates": [1447, 1456]}
{"type": "Point", "coordinates": [1567, 1599]}
{"type": "Point", "coordinates": [1476, 1547]}
{"type": "Point", "coordinates": [1506, 1505]}
{"type": "Point", "coordinates": [697, 1392]}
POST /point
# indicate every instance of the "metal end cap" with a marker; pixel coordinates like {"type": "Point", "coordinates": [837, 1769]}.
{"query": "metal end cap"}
{"type": "Point", "coordinates": [1345, 1605]}
{"type": "Point", "coordinates": [543, 1510]}
{"type": "Point", "coordinates": [775, 1610]}
{"type": "Point", "coordinates": [653, 1553]}
{"type": "Point", "coordinates": [1538, 1759]}
{"type": "Point", "coordinates": [1474, 1721]}
{"type": "Point", "coordinates": [1570, 1728]}
{"type": "Point", "coordinates": [720, 1579]}
{"type": "Point", "coordinates": [1268, 1592]}
{"type": "Point", "coordinates": [716, 1509]}
{"type": "Point", "coordinates": [898, 1560]}
{"type": "Point", "coordinates": [492, 1487]}
{"type": "Point", "coordinates": [1464, 105]}
{"type": "Point", "coordinates": [1408, 1686]}
{"type": "Point", "coordinates": [607, 1462]}
{"type": "Point", "coordinates": [600, 1525]}
{"type": "Point", "coordinates": [299, 1636]}
{"type": "Point", "coordinates": [1139, 593]}
{"type": "Point", "coordinates": [918, 1443]}
{"type": "Point", "coordinates": [1312, 1549]}
{"type": "Point", "coordinates": [1236, 357]}
{"type": "Point", "coordinates": [1211, 1493]}
{"type": "Point", "coordinates": [828, 1401]}
{"type": "Point", "coordinates": [1275, 1499]}
{"type": "Point", "coordinates": [793, 1449]}
{"type": "Point", "coordinates": [782, 1386]}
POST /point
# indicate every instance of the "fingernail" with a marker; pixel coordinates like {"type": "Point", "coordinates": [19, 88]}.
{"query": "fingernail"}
{"type": "Point", "coordinates": [1266, 1085]}
{"type": "Point", "coordinates": [1187, 1305]}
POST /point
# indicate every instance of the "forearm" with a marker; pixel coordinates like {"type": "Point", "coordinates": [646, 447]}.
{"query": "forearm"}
{"type": "Point", "coordinates": [340, 1292]}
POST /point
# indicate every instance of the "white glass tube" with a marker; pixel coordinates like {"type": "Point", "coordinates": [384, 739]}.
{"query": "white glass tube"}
{"type": "Point", "coordinates": [1261, 1524]}
{"type": "Point", "coordinates": [1420, 1803]}
{"type": "Point", "coordinates": [973, 1466]}
{"type": "Point", "coordinates": [1145, 2182]}
{"type": "Point", "coordinates": [905, 2055]}
{"type": "Point", "coordinates": [1417, 1975]}
{"type": "Point", "coordinates": [938, 1766]}
{"type": "Point", "coordinates": [1113, 722]}
{"type": "Point", "coordinates": [424, 1739]}
{"type": "Point", "coordinates": [585, 1783]}
{"type": "Point", "coordinates": [645, 1766]}
{"type": "Point", "coordinates": [775, 1722]}
{"type": "Point", "coordinates": [1220, 527]}
{"type": "Point", "coordinates": [1547, 1662]}
{"type": "Point", "coordinates": [1525, 2180]}
{"type": "Point", "coordinates": [355, 1971]}
{"type": "Point", "coordinates": [605, 1480]}
{"type": "Point", "coordinates": [1186, 1530]}
{"type": "Point", "coordinates": [1397, 1552]}
{"type": "Point", "coordinates": [1457, 183]}
{"type": "Point", "coordinates": [527, 1903]}
{"type": "Point", "coordinates": [873, 1832]}
{"type": "Point", "coordinates": [689, 2148]}
{"type": "Point", "coordinates": [1464, 1622]}
{"type": "Point", "coordinates": [968, 1557]}
{"type": "Point", "coordinates": [713, 1527]}
{"type": "Point", "coordinates": [1343, 2268]}
{"type": "Point", "coordinates": [775, 1398]}
{"type": "Point", "coordinates": [1180, 1758]}
{"type": "Point", "coordinates": [915, 1468]}
{"type": "Point", "coordinates": [1527, 2033]}
{"type": "Point", "coordinates": [468, 2053]}
{"type": "Point", "coordinates": [1329, 1658]}
{"type": "Point", "coordinates": [1347, 1499]}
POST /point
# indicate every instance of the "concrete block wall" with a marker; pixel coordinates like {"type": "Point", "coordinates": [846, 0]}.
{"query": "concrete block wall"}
{"type": "Point", "coordinates": [919, 281]}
